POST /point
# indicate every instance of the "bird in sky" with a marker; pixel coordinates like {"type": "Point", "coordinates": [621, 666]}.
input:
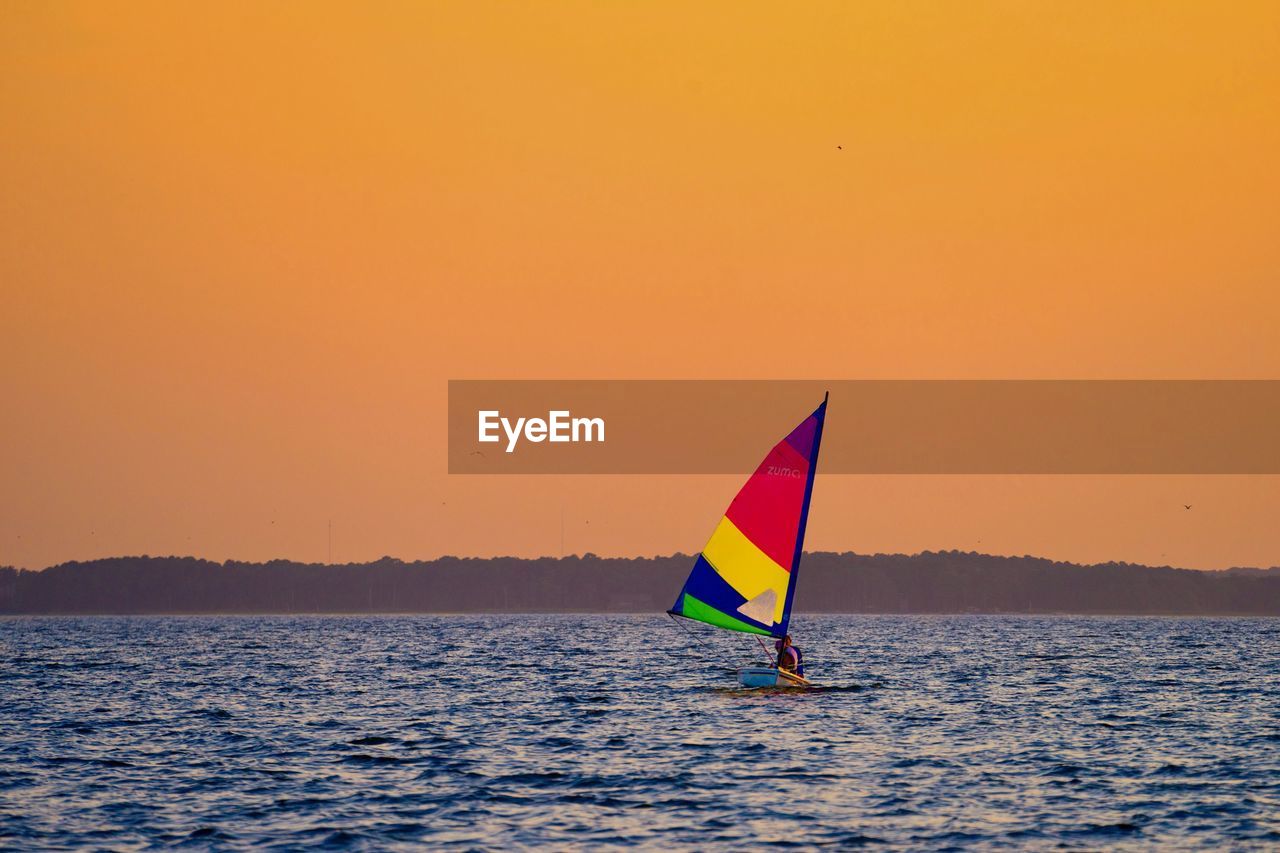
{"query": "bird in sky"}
{"type": "Point", "coordinates": [1188, 506]}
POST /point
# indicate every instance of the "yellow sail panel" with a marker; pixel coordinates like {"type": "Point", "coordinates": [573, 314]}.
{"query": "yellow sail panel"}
{"type": "Point", "coordinates": [746, 568]}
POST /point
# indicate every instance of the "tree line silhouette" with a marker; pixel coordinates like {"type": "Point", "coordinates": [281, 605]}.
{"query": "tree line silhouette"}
{"type": "Point", "coordinates": [930, 582]}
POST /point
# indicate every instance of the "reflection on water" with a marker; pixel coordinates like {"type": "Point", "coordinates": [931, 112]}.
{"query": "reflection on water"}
{"type": "Point", "coordinates": [493, 731]}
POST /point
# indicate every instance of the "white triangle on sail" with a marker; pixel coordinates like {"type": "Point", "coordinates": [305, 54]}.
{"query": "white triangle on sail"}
{"type": "Point", "coordinates": [761, 608]}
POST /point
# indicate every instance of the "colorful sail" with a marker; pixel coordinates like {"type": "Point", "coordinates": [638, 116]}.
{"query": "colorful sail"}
{"type": "Point", "coordinates": [745, 578]}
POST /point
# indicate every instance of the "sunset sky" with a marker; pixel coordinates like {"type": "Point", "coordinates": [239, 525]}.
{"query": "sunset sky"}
{"type": "Point", "coordinates": [243, 247]}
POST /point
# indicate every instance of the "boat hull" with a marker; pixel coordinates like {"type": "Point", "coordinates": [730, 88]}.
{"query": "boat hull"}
{"type": "Point", "coordinates": [767, 676]}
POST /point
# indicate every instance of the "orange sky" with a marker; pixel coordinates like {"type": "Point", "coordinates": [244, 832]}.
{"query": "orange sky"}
{"type": "Point", "coordinates": [243, 247]}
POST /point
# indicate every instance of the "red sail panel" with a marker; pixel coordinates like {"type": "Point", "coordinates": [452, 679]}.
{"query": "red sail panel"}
{"type": "Point", "coordinates": [767, 509]}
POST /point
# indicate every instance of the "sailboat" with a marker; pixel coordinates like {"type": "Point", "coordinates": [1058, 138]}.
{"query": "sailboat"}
{"type": "Point", "coordinates": [745, 578]}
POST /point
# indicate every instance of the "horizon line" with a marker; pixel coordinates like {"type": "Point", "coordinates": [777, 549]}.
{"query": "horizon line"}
{"type": "Point", "coordinates": [593, 556]}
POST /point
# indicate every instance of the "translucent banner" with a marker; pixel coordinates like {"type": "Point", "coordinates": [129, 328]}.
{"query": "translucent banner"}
{"type": "Point", "coordinates": [873, 426]}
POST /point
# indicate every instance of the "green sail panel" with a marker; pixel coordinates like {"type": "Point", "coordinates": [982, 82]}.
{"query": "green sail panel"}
{"type": "Point", "coordinates": [692, 608]}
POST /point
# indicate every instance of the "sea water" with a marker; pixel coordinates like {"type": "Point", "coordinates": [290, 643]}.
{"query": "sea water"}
{"type": "Point", "coordinates": [591, 731]}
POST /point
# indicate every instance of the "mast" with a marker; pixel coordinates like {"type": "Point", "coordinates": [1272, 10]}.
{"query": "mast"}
{"type": "Point", "coordinates": [804, 513]}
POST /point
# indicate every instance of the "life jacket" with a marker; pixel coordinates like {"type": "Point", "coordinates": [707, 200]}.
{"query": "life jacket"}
{"type": "Point", "coordinates": [796, 656]}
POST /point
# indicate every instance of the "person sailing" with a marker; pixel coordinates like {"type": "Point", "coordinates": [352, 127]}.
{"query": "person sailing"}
{"type": "Point", "coordinates": [789, 656]}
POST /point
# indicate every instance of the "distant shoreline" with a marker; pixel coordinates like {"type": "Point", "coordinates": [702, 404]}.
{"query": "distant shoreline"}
{"type": "Point", "coordinates": [936, 583]}
{"type": "Point", "coordinates": [797, 618]}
